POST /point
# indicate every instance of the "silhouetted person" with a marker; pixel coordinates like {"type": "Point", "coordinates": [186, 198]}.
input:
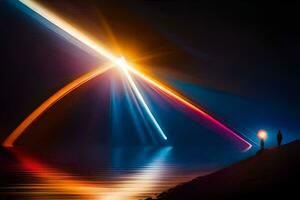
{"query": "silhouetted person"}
{"type": "Point", "coordinates": [262, 144]}
{"type": "Point", "coordinates": [279, 138]}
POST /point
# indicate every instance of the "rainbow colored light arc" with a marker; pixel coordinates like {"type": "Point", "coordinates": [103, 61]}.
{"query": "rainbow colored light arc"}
{"type": "Point", "coordinates": [116, 61]}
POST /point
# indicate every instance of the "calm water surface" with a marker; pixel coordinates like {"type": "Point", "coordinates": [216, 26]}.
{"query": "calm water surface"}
{"type": "Point", "coordinates": [113, 174]}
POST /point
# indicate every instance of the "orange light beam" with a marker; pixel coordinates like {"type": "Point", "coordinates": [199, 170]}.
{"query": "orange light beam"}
{"type": "Point", "coordinates": [9, 141]}
{"type": "Point", "coordinates": [101, 50]}
{"type": "Point", "coordinates": [71, 30]}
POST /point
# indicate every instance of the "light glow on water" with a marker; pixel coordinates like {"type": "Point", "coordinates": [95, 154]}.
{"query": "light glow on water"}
{"type": "Point", "coordinates": [131, 183]}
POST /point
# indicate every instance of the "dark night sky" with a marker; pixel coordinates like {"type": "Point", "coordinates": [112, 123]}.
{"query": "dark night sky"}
{"type": "Point", "coordinates": [236, 50]}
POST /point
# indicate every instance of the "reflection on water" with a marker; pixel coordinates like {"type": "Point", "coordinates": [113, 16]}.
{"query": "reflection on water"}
{"type": "Point", "coordinates": [131, 174]}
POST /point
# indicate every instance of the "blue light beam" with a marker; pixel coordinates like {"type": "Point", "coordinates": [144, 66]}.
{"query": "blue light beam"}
{"type": "Point", "coordinates": [141, 99]}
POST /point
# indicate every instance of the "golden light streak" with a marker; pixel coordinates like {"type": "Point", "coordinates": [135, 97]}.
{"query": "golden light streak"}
{"type": "Point", "coordinates": [51, 17]}
{"type": "Point", "coordinates": [71, 30]}
{"type": "Point", "coordinates": [52, 100]}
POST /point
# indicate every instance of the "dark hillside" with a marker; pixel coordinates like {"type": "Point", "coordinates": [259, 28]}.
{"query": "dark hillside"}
{"type": "Point", "coordinates": [273, 172]}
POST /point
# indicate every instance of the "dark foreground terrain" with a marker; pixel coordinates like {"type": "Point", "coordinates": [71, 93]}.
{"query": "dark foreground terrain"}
{"type": "Point", "coordinates": [269, 174]}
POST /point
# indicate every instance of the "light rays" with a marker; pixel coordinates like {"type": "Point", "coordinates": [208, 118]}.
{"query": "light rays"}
{"type": "Point", "coordinates": [75, 33]}
{"type": "Point", "coordinates": [174, 95]}
{"type": "Point", "coordinates": [126, 68]}
{"type": "Point", "coordinates": [140, 98]}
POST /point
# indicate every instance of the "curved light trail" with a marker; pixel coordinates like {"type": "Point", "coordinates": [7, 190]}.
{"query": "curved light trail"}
{"type": "Point", "coordinates": [9, 141]}
{"type": "Point", "coordinates": [75, 33]}
{"type": "Point", "coordinates": [72, 31]}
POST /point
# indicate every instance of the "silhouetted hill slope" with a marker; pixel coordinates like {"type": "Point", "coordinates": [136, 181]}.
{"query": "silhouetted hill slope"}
{"type": "Point", "coordinates": [273, 172]}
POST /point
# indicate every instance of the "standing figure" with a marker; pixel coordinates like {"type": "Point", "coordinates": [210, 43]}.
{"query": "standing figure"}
{"type": "Point", "coordinates": [262, 144]}
{"type": "Point", "coordinates": [279, 138]}
{"type": "Point", "coordinates": [262, 135]}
